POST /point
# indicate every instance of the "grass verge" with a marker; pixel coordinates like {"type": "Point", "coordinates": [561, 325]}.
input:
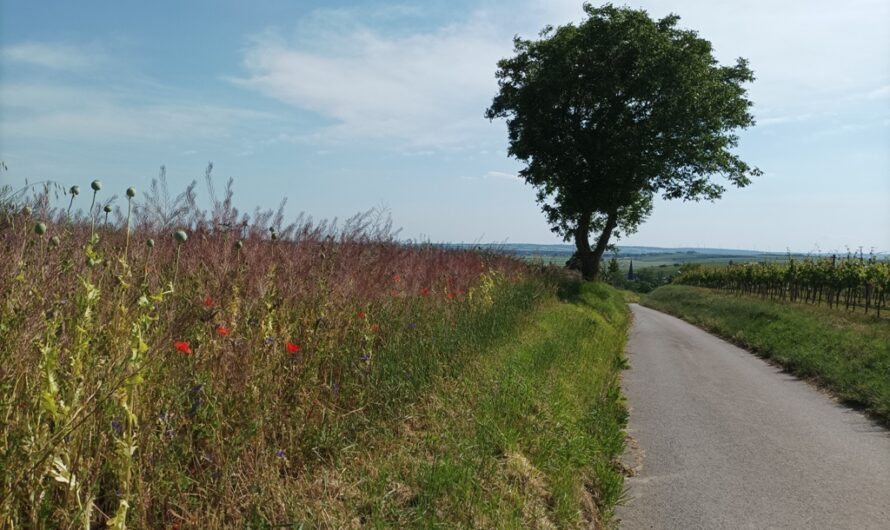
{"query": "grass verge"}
{"type": "Point", "coordinates": [848, 353]}
{"type": "Point", "coordinates": [522, 434]}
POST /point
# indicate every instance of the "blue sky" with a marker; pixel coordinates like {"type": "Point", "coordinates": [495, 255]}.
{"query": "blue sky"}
{"type": "Point", "coordinates": [344, 106]}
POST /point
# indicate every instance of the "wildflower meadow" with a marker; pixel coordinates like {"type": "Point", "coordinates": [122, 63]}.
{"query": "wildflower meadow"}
{"type": "Point", "coordinates": [172, 364]}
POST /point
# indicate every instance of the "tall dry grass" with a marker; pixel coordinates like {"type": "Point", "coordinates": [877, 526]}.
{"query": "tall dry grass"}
{"type": "Point", "coordinates": [151, 382]}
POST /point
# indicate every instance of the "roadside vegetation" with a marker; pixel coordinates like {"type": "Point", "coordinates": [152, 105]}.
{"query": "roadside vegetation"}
{"type": "Point", "coordinates": [522, 434]}
{"type": "Point", "coordinates": [162, 366]}
{"type": "Point", "coordinates": [846, 352]}
{"type": "Point", "coordinates": [851, 283]}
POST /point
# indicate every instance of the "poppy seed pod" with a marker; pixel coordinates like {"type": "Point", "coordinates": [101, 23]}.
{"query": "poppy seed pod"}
{"type": "Point", "coordinates": [150, 243]}
{"type": "Point", "coordinates": [131, 192]}
{"type": "Point", "coordinates": [96, 185]}
{"type": "Point", "coordinates": [107, 209]}
{"type": "Point", "coordinates": [54, 241]}
{"type": "Point", "coordinates": [39, 229]}
{"type": "Point", "coordinates": [180, 236]}
{"type": "Point", "coordinates": [239, 245]}
{"type": "Point", "coordinates": [74, 190]}
{"type": "Point", "coordinates": [27, 211]}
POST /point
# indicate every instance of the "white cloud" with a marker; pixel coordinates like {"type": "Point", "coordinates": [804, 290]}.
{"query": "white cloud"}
{"type": "Point", "coordinates": [496, 175]}
{"type": "Point", "coordinates": [429, 89]}
{"type": "Point", "coordinates": [53, 55]}
{"type": "Point", "coordinates": [422, 89]}
{"type": "Point", "coordinates": [503, 176]}
{"type": "Point", "coordinates": [65, 112]}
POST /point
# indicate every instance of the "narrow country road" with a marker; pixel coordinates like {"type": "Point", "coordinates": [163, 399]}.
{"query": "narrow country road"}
{"type": "Point", "coordinates": [721, 439]}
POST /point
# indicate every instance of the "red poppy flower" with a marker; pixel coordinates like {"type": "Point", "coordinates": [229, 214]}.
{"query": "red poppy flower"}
{"type": "Point", "coordinates": [208, 302]}
{"type": "Point", "coordinates": [424, 292]}
{"type": "Point", "coordinates": [361, 315]}
{"type": "Point", "coordinates": [451, 296]}
{"type": "Point", "coordinates": [375, 328]}
{"type": "Point", "coordinates": [223, 331]}
{"type": "Point", "coordinates": [292, 348]}
{"type": "Point", "coordinates": [183, 347]}
{"type": "Point", "coordinates": [396, 278]}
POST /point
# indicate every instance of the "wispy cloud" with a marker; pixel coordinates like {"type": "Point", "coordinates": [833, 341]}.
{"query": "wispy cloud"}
{"type": "Point", "coordinates": [54, 56]}
{"type": "Point", "coordinates": [513, 177]}
{"type": "Point", "coordinates": [428, 89]}
{"type": "Point", "coordinates": [88, 114]}
{"type": "Point", "coordinates": [422, 90]}
{"type": "Point", "coordinates": [495, 175]}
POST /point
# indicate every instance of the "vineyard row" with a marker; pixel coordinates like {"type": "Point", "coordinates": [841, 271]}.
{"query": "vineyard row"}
{"type": "Point", "coordinates": [851, 282]}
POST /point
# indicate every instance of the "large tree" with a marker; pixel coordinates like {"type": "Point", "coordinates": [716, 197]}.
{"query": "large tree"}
{"type": "Point", "coordinates": [610, 112]}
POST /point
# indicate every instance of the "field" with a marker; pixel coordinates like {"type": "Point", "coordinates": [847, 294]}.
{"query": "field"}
{"type": "Point", "coordinates": [652, 266]}
{"type": "Point", "coordinates": [847, 352]}
{"type": "Point", "coordinates": [212, 369]}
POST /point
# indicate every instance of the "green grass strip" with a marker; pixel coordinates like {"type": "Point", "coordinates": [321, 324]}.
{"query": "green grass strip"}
{"type": "Point", "coordinates": [523, 435]}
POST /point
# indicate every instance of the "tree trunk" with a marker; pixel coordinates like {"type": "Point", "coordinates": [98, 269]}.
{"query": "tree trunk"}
{"type": "Point", "coordinates": [603, 242]}
{"type": "Point", "coordinates": [591, 259]}
{"type": "Point", "coordinates": [582, 247]}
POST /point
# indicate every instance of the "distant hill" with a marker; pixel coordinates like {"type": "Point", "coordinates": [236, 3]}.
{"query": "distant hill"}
{"type": "Point", "coordinates": [649, 256]}
{"type": "Point", "coordinates": [531, 249]}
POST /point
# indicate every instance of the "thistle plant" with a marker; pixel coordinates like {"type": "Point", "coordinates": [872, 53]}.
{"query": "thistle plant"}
{"type": "Point", "coordinates": [127, 397]}
{"type": "Point", "coordinates": [74, 191]}
{"type": "Point", "coordinates": [181, 237]}
{"type": "Point", "coordinates": [131, 192]}
{"type": "Point", "coordinates": [96, 186]}
{"type": "Point", "coordinates": [150, 243]}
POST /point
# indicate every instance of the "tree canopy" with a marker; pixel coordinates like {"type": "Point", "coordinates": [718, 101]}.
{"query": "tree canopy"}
{"type": "Point", "coordinates": [610, 112]}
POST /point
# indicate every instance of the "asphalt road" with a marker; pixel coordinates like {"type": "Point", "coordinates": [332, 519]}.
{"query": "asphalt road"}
{"type": "Point", "coordinates": [722, 439]}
